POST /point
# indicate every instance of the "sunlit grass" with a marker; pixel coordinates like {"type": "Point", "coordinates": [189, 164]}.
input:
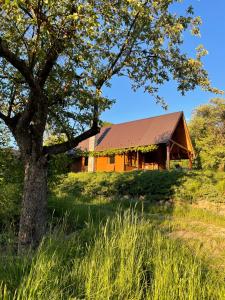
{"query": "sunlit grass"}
{"type": "Point", "coordinates": [201, 230]}
{"type": "Point", "coordinates": [122, 236]}
{"type": "Point", "coordinates": [125, 258]}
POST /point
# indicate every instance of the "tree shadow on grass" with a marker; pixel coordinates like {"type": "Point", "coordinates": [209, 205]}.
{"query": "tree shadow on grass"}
{"type": "Point", "coordinates": [83, 204]}
{"type": "Point", "coordinates": [98, 196]}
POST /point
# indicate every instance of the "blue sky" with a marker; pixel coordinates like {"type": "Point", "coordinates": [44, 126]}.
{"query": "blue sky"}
{"type": "Point", "coordinates": [135, 105]}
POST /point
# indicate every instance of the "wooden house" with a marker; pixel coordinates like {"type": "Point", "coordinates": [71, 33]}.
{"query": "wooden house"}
{"type": "Point", "coordinates": [128, 146]}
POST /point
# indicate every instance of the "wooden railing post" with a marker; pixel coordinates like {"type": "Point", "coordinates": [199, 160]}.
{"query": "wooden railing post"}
{"type": "Point", "coordinates": [137, 163]}
{"type": "Point", "coordinates": [168, 156]}
{"type": "Point", "coordinates": [190, 161]}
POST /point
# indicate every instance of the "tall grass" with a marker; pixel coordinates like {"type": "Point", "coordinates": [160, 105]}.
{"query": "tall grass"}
{"type": "Point", "coordinates": [124, 258]}
{"type": "Point", "coordinates": [100, 253]}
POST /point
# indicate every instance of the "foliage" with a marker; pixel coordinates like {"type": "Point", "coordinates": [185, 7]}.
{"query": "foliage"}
{"type": "Point", "coordinates": [150, 186]}
{"type": "Point", "coordinates": [11, 178]}
{"type": "Point", "coordinates": [106, 124]}
{"type": "Point", "coordinates": [4, 136]}
{"type": "Point", "coordinates": [58, 164]}
{"type": "Point", "coordinates": [56, 57]}
{"type": "Point", "coordinates": [146, 185]}
{"type": "Point", "coordinates": [202, 185]}
{"type": "Point", "coordinates": [208, 133]}
{"type": "Point", "coordinates": [125, 258]}
{"type": "Point", "coordinates": [53, 138]}
{"type": "Point", "coordinates": [114, 151]}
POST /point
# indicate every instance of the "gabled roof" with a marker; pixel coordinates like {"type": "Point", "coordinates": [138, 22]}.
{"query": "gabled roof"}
{"type": "Point", "coordinates": [154, 130]}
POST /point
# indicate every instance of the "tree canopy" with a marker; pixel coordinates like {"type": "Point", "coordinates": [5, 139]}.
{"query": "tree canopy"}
{"type": "Point", "coordinates": [208, 133]}
{"type": "Point", "coordinates": [70, 50]}
{"type": "Point", "coordinates": [4, 136]}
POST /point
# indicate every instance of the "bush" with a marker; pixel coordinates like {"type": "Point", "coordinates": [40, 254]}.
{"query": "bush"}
{"type": "Point", "coordinates": [58, 165]}
{"type": "Point", "coordinates": [202, 185]}
{"type": "Point", "coordinates": [147, 185]}
{"type": "Point", "coordinates": [11, 182]}
{"type": "Point", "coordinates": [11, 179]}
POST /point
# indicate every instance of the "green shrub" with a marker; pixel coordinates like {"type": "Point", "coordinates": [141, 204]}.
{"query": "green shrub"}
{"type": "Point", "coordinates": [202, 185]}
{"type": "Point", "coordinates": [11, 182]}
{"type": "Point", "coordinates": [58, 165]}
{"type": "Point", "coordinates": [11, 179]}
{"type": "Point", "coordinates": [147, 185]}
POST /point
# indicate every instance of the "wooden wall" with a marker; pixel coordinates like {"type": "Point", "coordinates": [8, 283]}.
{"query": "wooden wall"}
{"type": "Point", "coordinates": [103, 164]}
{"type": "Point", "coordinates": [181, 135]}
{"type": "Point", "coordinates": [155, 160]}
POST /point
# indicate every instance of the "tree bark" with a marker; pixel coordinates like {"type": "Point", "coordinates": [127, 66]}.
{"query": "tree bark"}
{"type": "Point", "coordinates": [33, 217]}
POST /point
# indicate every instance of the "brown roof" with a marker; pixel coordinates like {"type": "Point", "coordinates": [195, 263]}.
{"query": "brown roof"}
{"type": "Point", "coordinates": [155, 130]}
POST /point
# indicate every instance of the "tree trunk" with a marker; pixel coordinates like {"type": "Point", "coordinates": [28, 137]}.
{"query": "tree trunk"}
{"type": "Point", "coordinates": [33, 217]}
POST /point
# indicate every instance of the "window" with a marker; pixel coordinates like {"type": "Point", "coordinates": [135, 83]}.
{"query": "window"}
{"type": "Point", "coordinates": [86, 161]}
{"type": "Point", "coordinates": [112, 159]}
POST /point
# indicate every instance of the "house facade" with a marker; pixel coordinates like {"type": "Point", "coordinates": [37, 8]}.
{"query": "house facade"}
{"type": "Point", "coordinates": [148, 144]}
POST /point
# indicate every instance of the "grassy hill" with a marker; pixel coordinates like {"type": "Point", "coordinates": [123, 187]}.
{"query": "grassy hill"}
{"type": "Point", "coordinates": [137, 235]}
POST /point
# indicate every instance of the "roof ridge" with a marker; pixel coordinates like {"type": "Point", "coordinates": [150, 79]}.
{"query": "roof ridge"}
{"type": "Point", "coordinates": [176, 112]}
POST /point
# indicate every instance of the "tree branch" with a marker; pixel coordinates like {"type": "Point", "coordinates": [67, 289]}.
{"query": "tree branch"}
{"type": "Point", "coordinates": [62, 124]}
{"type": "Point", "coordinates": [10, 122]}
{"type": "Point", "coordinates": [18, 63]}
{"type": "Point", "coordinates": [12, 99]}
{"type": "Point", "coordinates": [25, 10]}
{"type": "Point", "coordinates": [57, 47]}
{"type": "Point", "coordinates": [124, 44]}
{"type": "Point", "coordinates": [50, 61]}
{"type": "Point", "coordinates": [4, 117]}
{"type": "Point", "coordinates": [53, 51]}
{"type": "Point", "coordinates": [66, 146]}
{"type": "Point", "coordinates": [111, 69]}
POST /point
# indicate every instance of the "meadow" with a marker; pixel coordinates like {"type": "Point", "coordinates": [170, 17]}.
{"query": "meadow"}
{"type": "Point", "coordinates": [136, 235]}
